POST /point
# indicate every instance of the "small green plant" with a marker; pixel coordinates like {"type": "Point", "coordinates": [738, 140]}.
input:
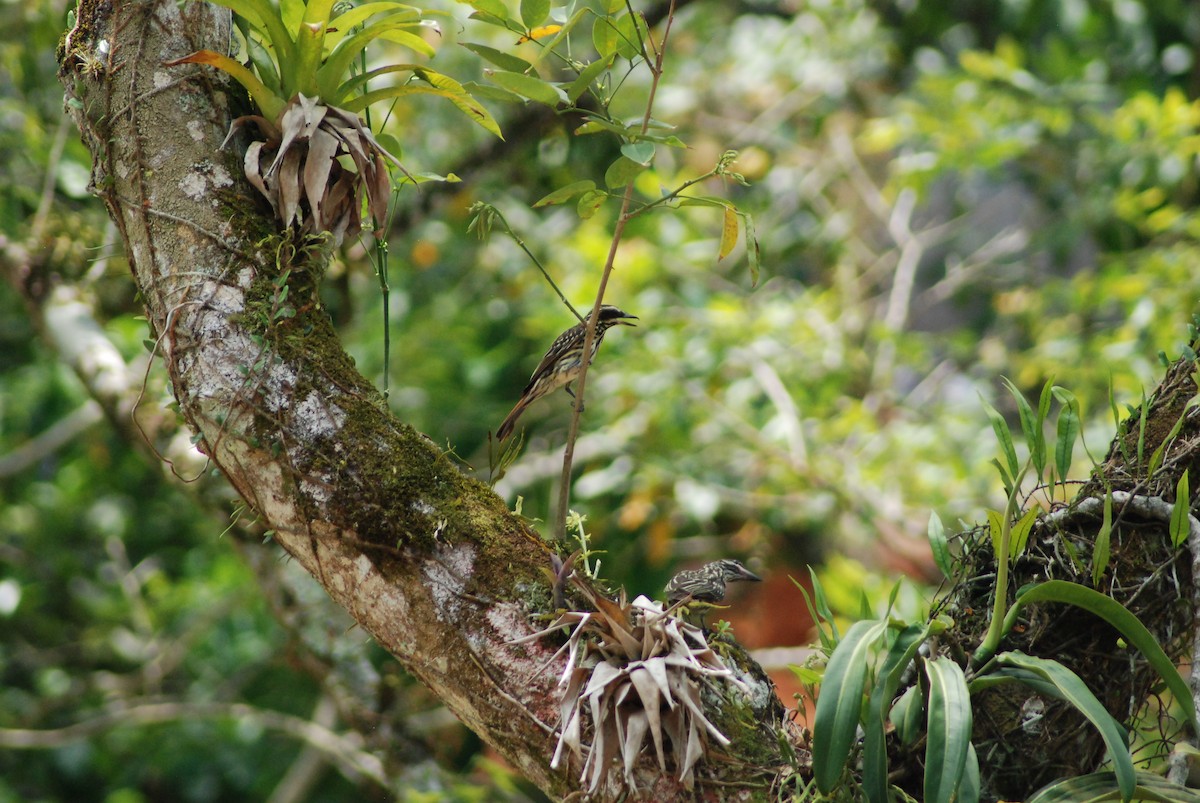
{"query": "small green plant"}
{"type": "Point", "coordinates": [304, 77]}
{"type": "Point", "coordinates": [869, 662]}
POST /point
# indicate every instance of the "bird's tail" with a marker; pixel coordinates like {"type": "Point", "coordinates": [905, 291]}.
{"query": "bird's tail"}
{"type": "Point", "coordinates": [510, 421]}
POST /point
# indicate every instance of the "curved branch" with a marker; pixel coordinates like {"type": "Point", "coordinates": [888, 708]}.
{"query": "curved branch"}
{"type": "Point", "coordinates": [429, 561]}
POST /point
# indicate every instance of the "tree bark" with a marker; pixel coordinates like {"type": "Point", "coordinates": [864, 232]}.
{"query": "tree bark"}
{"type": "Point", "coordinates": [426, 559]}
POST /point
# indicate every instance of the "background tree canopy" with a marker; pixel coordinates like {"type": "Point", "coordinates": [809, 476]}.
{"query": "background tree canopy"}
{"type": "Point", "coordinates": [944, 194]}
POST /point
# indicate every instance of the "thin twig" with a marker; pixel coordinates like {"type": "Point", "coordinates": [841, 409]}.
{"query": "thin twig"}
{"type": "Point", "coordinates": [564, 487]}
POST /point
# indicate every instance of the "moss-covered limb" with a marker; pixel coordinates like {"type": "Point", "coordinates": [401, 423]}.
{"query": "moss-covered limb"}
{"type": "Point", "coordinates": [429, 561]}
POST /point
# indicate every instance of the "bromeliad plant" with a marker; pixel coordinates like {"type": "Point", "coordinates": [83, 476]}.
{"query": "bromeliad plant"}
{"type": "Point", "coordinates": [868, 665]}
{"type": "Point", "coordinates": [303, 76]}
{"type": "Point", "coordinates": [632, 684]}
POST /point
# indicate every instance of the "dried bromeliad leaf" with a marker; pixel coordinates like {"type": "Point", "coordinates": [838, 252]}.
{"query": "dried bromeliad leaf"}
{"type": "Point", "coordinates": [637, 671]}
{"type": "Point", "coordinates": [298, 169]}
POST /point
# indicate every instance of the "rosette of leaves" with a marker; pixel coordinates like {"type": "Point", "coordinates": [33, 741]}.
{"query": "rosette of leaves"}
{"type": "Point", "coordinates": [638, 672]}
{"type": "Point", "coordinates": [315, 161]}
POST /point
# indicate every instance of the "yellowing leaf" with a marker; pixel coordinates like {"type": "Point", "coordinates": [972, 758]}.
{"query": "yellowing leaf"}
{"type": "Point", "coordinates": [540, 32]}
{"type": "Point", "coordinates": [729, 233]}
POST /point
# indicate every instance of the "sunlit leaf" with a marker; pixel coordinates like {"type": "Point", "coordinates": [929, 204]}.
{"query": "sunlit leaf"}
{"type": "Point", "coordinates": [840, 701]}
{"type": "Point", "coordinates": [939, 545]}
{"type": "Point", "coordinates": [534, 12]}
{"type": "Point", "coordinates": [529, 87]}
{"type": "Point", "coordinates": [505, 61]}
{"type": "Point", "coordinates": [1003, 437]}
{"type": "Point", "coordinates": [588, 75]}
{"type": "Point", "coordinates": [1019, 534]}
{"type": "Point", "coordinates": [729, 233]}
{"type": "Point", "coordinates": [948, 730]}
{"type": "Point", "coordinates": [1100, 552]}
{"type": "Point", "coordinates": [621, 172]}
{"type": "Point", "coordinates": [1181, 512]}
{"type": "Point", "coordinates": [563, 194]}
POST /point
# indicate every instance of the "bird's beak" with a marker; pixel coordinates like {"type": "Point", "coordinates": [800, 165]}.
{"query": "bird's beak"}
{"type": "Point", "coordinates": [626, 320]}
{"type": "Point", "coordinates": [746, 574]}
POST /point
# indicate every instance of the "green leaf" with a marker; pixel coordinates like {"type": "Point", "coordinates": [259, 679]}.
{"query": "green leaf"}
{"type": "Point", "coordinates": [1064, 446]}
{"type": "Point", "coordinates": [1074, 691]}
{"type": "Point", "coordinates": [489, 92]}
{"type": "Point", "coordinates": [949, 730]}
{"type": "Point", "coordinates": [264, 64]}
{"type": "Point", "coordinates": [588, 75]}
{"type": "Point", "coordinates": [589, 202]}
{"type": "Point", "coordinates": [495, 8]}
{"type": "Point", "coordinates": [840, 702]}
{"type": "Point", "coordinates": [823, 606]}
{"type": "Point", "coordinates": [563, 194]}
{"type": "Point", "coordinates": [529, 87]}
{"type": "Point", "coordinates": [392, 27]}
{"type": "Point", "coordinates": [908, 716]}
{"type": "Point", "coordinates": [827, 640]}
{"type": "Point", "coordinates": [268, 22]}
{"type": "Point", "coordinates": [1003, 437]}
{"type": "Point", "coordinates": [995, 531]}
{"type": "Point", "coordinates": [505, 61]}
{"type": "Point", "coordinates": [805, 674]}
{"type": "Point", "coordinates": [1019, 535]}
{"type": "Point", "coordinates": [358, 82]}
{"type": "Point", "coordinates": [463, 101]}
{"type": "Point", "coordinates": [897, 659]}
{"type": "Point", "coordinates": [939, 545]}
{"type": "Point", "coordinates": [621, 172]}
{"type": "Point", "coordinates": [631, 35]}
{"type": "Point", "coordinates": [1181, 512]}
{"type": "Point", "coordinates": [534, 12]}
{"type": "Point", "coordinates": [1112, 404]}
{"type": "Point", "coordinates": [1142, 414]}
{"type": "Point", "coordinates": [753, 249]}
{"type": "Point", "coordinates": [343, 24]}
{"type": "Point", "coordinates": [1100, 552]}
{"type": "Point", "coordinates": [562, 33]}
{"type": "Point", "coordinates": [1031, 428]}
{"type": "Point", "coordinates": [595, 125]}
{"type": "Point", "coordinates": [968, 787]}
{"type": "Point", "coordinates": [1117, 615]}
{"type": "Point", "coordinates": [1102, 786]}
{"type": "Point", "coordinates": [640, 152]}
{"type": "Point", "coordinates": [604, 37]}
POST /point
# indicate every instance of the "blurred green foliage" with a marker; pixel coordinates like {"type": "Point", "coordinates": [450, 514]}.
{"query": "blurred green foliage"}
{"type": "Point", "coordinates": [944, 193]}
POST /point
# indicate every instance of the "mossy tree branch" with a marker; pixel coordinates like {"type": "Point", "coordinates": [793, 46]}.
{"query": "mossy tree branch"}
{"type": "Point", "coordinates": [429, 561]}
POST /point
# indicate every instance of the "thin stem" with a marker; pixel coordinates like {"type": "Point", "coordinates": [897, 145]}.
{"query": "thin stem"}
{"type": "Point", "coordinates": [674, 194]}
{"type": "Point", "coordinates": [516, 238]}
{"type": "Point", "coordinates": [564, 486]}
{"type": "Point", "coordinates": [996, 627]}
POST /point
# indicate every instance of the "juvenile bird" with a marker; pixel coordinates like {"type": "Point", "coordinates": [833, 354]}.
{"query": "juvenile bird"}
{"type": "Point", "coordinates": [707, 584]}
{"type": "Point", "coordinates": [563, 362]}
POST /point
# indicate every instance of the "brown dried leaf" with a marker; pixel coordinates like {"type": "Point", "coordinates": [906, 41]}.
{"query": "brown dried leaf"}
{"type": "Point", "coordinates": [288, 178]}
{"type": "Point", "coordinates": [252, 166]}
{"type": "Point", "coordinates": [648, 691]}
{"type": "Point", "coordinates": [693, 753]}
{"type": "Point", "coordinates": [322, 147]}
{"type": "Point", "coordinates": [633, 734]}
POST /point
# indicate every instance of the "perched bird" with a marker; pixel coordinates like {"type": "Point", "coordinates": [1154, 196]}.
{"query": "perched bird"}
{"type": "Point", "coordinates": [707, 584]}
{"type": "Point", "coordinates": [563, 362]}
